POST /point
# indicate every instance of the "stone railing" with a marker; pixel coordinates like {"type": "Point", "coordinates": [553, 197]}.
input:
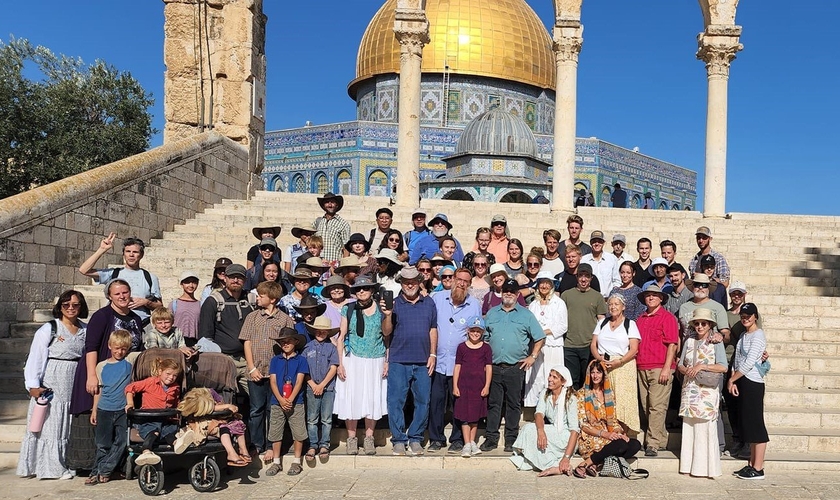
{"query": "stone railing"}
{"type": "Point", "coordinates": [47, 232]}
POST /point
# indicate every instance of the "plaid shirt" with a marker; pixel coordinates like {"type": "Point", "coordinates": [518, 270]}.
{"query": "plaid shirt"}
{"type": "Point", "coordinates": [263, 330]}
{"type": "Point", "coordinates": [722, 271]}
{"type": "Point", "coordinates": [335, 233]}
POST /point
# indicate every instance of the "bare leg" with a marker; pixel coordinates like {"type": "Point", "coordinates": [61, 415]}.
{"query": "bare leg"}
{"type": "Point", "coordinates": [757, 451]}
{"type": "Point", "coordinates": [370, 425]}
{"type": "Point", "coordinates": [298, 450]}
{"type": "Point", "coordinates": [352, 425]}
{"type": "Point", "coordinates": [232, 456]}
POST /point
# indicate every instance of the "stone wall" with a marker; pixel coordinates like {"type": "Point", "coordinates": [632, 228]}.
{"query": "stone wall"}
{"type": "Point", "coordinates": [47, 232]}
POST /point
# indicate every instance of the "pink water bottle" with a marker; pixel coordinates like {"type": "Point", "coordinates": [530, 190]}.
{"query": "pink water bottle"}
{"type": "Point", "coordinates": [39, 414]}
{"type": "Point", "coordinates": [287, 389]}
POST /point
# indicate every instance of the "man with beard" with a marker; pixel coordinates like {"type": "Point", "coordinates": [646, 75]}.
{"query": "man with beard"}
{"type": "Point", "coordinates": [680, 294]}
{"type": "Point", "coordinates": [411, 361]}
{"type": "Point", "coordinates": [704, 243]}
{"type": "Point", "coordinates": [334, 230]}
{"type": "Point", "coordinates": [586, 308]}
{"type": "Point", "coordinates": [641, 266]}
{"type": "Point", "coordinates": [511, 329]}
{"type": "Point", "coordinates": [221, 319]}
{"type": "Point", "coordinates": [440, 228]}
{"type": "Point", "coordinates": [454, 308]}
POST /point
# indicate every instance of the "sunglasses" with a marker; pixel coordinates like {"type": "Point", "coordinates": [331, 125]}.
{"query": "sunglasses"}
{"type": "Point", "coordinates": [447, 276]}
{"type": "Point", "coordinates": [701, 322]}
{"type": "Point", "coordinates": [394, 240]}
{"type": "Point", "coordinates": [70, 305]}
{"type": "Point", "coordinates": [701, 285]}
{"type": "Point", "coordinates": [533, 264]}
{"type": "Point", "coordinates": [480, 264]}
{"type": "Point", "coordinates": [424, 269]}
{"type": "Point", "coordinates": [364, 289]}
{"type": "Point", "coordinates": [266, 248]}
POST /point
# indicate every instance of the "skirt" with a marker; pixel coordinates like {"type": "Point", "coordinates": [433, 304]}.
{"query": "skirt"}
{"type": "Point", "coordinates": [536, 377]}
{"type": "Point", "coordinates": [750, 402]}
{"type": "Point", "coordinates": [365, 392]}
{"type": "Point", "coordinates": [625, 387]}
{"type": "Point", "coordinates": [81, 450]}
{"type": "Point", "coordinates": [699, 452]}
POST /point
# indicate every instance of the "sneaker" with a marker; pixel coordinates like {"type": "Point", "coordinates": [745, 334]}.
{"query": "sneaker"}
{"type": "Point", "coordinates": [353, 445]}
{"type": "Point", "coordinates": [488, 445]}
{"type": "Point", "coordinates": [435, 446]}
{"type": "Point", "coordinates": [370, 446]}
{"type": "Point", "coordinates": [742, 470]}
{"type": "Point", "coordinates": [399, 449]}
{"type": "Point", "coordinates": [651, 452]}
{"type": "Point", "coordinates": [182, 443]}
{"type": "Point", "coordinates": [474, 449]}
{"type": "Point", "coordinates": [274, 469]}
{"type": "Point", "coordinates": [467, 451]}
{"type": "Point", "coordinates": [414, 449]}
{"type": "Point", "coordinates": [455, 447]}
{"type": "Point", "coordinates": [508, 448]}
{"type": "Point", "coordinates": [751, 474]}
{"type": "Point", "coordinates": [295, 469]}
{"type": "Point", "coordinates": [147, 458]}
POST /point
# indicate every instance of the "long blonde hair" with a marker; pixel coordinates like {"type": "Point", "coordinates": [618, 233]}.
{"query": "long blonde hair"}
{"type": "Point", "coordinates": [197, 403]}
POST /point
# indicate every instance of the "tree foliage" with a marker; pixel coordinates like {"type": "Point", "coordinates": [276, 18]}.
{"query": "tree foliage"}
{"type": "Point", "coordinates": [59, 117]}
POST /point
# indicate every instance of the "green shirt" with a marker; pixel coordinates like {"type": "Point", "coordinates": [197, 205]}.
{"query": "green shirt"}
{"type": "Point", "coordinates": [584, 308]}
{"type": "Point", "coordinates": [510, 333]}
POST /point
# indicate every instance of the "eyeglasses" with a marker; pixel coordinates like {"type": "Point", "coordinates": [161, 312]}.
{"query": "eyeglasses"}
{"type": "Point", "coordinates": [533, 264]}
{"type": "Point", "coordinates": [701, 285]}
{"type": "Point", "coordinates": [71, 305]}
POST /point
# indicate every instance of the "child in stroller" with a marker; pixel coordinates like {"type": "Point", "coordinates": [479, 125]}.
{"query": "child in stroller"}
{"type": "Point", "coordinates": [198, 407]}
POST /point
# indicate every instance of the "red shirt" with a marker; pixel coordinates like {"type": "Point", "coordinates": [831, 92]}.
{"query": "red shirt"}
{"type": "Point", "coordinates": [658, 330]}
{"type": "Point", "coordinates": [154, 397]}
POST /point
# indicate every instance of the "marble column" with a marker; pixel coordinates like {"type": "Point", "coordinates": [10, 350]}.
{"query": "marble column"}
{"type": "Point", "coordinates": [568, 40]}
{"type": "Point", "coordinates": [717, 48]}
{"type": "Point", "coordinates": [412, 31]}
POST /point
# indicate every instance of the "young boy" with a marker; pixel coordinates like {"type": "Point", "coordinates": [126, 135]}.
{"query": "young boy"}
{"type": "Point", "coordinates": [187, 308]}
{"type": "Point", "coordinates": [260, 333]}
{"type": "Point", "coordinates": [322, 358]}
{"type": "Point", "coordinates": [164, 334]}
{"type": "Point", "coordinates": [287, 372]}
{"type": "Point", "coordinates": [108, 414]}
{"type": "Point", "coordinates": [315, 246]}
{"type": "Point", "coordinates": [308, 309]}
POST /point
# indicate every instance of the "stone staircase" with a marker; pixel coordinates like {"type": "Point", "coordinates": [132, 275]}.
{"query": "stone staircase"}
{"type": "Point", "coordinates": [791, 265]}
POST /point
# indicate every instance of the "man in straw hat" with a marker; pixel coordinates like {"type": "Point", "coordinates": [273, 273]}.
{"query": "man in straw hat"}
{"type": "Point", "coordinates": [302, 232]}
{"type": "Point", "coordinates": [412, 325]}
{"type": "Point", "coordinates": [262, 233]}
{"type": "Point", "coordinates": [334, 230]}
{"type": "Point", "coordinates": [322, 357]}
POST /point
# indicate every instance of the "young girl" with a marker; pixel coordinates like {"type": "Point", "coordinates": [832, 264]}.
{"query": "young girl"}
{"type": "Point", "coordinates": [200, 402]}
{"type": "Point", "coordinates": [186, 308]}
{"type": "Point", "coordinates": [471, 383]}
{"type": "Point", "coordinates": [159, 391]}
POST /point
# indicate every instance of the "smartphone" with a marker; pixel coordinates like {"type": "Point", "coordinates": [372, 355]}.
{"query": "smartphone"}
{"type": "Point", "coordinates": [388, 297]}
{"type": "Point", "coordinates": [606, 356]}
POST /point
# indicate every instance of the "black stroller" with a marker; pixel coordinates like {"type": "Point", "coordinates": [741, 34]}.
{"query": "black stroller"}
{"type": "Point", "coordinates": [212, 370]}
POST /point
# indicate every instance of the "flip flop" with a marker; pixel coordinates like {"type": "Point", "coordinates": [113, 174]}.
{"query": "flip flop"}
{"type": "Point", "coordinates": [246, 458]}
{"type": "Point", "coordinates": [310, 455]}
{"type": "Point", "coordinates": [104, 479]}
{"type": "Point", "coordinates": [324, 453]}
{"type": "Point", "coordinates": [236, 463]}
{"type": "Point", "coordinates": [92, 481]}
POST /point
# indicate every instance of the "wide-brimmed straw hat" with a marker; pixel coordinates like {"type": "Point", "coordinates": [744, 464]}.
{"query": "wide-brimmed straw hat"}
{"type": "Point", "coordinates": [652, 289]}
{"type": "Point", "coordinates": [314, 264]}
{"type": "Point", "coordinates": [348, 263]}
{"type": "Point", "coordinates": [389, 254]}
{"type": "Point", "coordinates": [321, 323]}
{"type": "Point", "coordinates": [703, 314]}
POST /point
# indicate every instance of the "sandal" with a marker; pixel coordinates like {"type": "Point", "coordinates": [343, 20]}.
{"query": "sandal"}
{"type": "Point", "coordinates": [310, 455]}
{"type": "Point", "coordinates": [246, 458]}
{"type": "Point", "coordinates": [592, 470]}
{"type": "Point", "coordinates": [104, 479]}
{"type": "Point", "coordinates": [324, 453]}
{"type": "Point", "coordinates": [92, 481]}
{"type": "Point", "coordinates": [236, 463]}
{"type": "Point", "coordinates": [580, 470]}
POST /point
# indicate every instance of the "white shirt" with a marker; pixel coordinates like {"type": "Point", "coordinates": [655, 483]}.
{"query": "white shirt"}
{"type": "Point", "coordinates": [605, 269]}
{"type": "Point", "coordinates": [616, 342]}
{"type": "Point", "coordinates": [555, 266]}
{"type": "Point", "coordinates": [553, 316]}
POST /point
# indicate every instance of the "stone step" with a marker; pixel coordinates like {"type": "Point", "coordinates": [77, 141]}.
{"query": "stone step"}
{"type": "Point", "coordinates": [12, 383]}
{"type": "Point", "coordinates": [25, 330]}
{"type": "Point", "coordinates": [15, 345]}
{"type": "Point", "coordinates": [14, 405]}
{"type": "Point", "coordinates": [803, 348]}
{"type": "Point", "coordinates": [802, 379]}
{"type": "Point", "coordinates": [12, 429]}
{"type": "Point", "coordinates": [12, 363]}
{"type": "Point", "coordinates": [802, 398]}
{"type": "Point", "coordinates": [801, 417]}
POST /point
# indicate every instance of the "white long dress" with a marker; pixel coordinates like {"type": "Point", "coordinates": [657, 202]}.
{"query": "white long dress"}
{"type": "Point", "coordinates": [552, 316]}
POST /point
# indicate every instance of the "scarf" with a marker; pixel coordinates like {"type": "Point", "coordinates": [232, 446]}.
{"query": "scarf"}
{"type": "Point", "coordinates": [591, 403]}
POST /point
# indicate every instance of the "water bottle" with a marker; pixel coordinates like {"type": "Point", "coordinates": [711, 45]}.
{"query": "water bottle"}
{"type": "Point", "coordinates": [287, 389]}
{"type": "Point", "coordinates": [39, 413]}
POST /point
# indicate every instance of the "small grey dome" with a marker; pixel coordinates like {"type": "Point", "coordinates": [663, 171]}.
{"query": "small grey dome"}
{"type": "Point", "coordinates": [497, 132]}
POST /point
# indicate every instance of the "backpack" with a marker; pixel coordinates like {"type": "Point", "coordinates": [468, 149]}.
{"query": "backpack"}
{"type": "Point", "coordinates": [53, 335]}
{"type": "Point", "coordinates": [626, 324]}
{"type": "Point", "coordinates": [146, 274]}
{"type": "Point", "coordinates": [221, 304]}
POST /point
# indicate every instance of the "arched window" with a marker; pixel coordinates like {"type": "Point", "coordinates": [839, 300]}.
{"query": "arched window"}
{"type": "Point", "coordinates": [344, 182]}
{"type": "Point", "coordinates": [663, 205]}
{"type": "Point", "coordinates": [606, 195]}
{"type": "Point", "coordinates": [516, 197]}
{"type": "Point", "coordinates": [298, 184]}
{"type": "Point", "coordinates": [276, 183]}
{"type": "Point", "coordinates": [675, 206]}
{"type": "Point", "coordinates": [321, 186]}
{"type": "Point", "coordinates": [377, 183]}
{"type": "Point", "coordinates": [458, 194]}
{"type": "Point", "coordinates": [636, 201]}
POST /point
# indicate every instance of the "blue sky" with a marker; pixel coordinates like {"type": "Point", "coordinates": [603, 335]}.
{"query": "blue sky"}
{"type": "Point", "coordinates": [639, 83]}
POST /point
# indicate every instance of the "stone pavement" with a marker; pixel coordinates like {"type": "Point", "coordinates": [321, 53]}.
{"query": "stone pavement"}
{"type": "Point", "coordinates": [403, 481]}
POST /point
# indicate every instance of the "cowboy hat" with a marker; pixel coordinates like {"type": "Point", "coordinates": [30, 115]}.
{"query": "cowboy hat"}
{"type": "Point", "coordinates": [310, 302]}
{"type": "Point", "coordinates": [321, 323]}
{"type": "Point", "coordinates": [348, 263]}
{"type": "Point", "coordinates": [314, 264]}
{"type": "Point", "coordinates": [335, 282]}
{"type": "Point", "coordinates": [652, 289]}
{"type": "Point", "coordinates": [258, 231]}
{"type": "Point", "coordinates": [337, 198]}
{"type": "Point", "coordinates": [299, 229]}
{"type": "Point", "coordinates": [291, 333]}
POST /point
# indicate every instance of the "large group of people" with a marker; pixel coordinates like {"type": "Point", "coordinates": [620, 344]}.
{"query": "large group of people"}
{"type": "Point", "coordinates": [352, 324]}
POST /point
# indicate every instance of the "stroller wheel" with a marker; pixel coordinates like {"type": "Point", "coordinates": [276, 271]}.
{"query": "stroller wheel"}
{"type": "Point", "coordinates": [205, 475]}
{"type": "Point", "coordinates": [150, 480]}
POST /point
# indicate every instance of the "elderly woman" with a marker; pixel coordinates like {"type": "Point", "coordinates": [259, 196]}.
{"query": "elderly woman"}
{"type": "Point", "coordinates": [53, 357]}
{"type": "Point", "coordinates": [628, 290]}
{"type": "Point", "coordinates": [553, 317]}
{"type": "Point", "coordinates": [482, 241]}
{"type": "Point", "coordinates": [337, 295]}
{"type": "Point", "coordinates": [480, 283]}
{"type": "Point", "coordinates": [361, 390]}
{"type": "Point", "coordinates": [700, 398]}
{"type": "Point", "coordinates": [615, 343]}
{"type": "Point", "coordinates": [747, 385]}
{"type": "Point", "coordinates": [117, 315]}
{"type": "Point", "coordinates": [601, 434]}
{"type": "Point", "coordinates": [548, 443]}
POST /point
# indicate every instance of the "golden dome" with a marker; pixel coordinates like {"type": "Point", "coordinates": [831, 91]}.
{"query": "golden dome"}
{"type": "Point", "coordinates": [497, 38]}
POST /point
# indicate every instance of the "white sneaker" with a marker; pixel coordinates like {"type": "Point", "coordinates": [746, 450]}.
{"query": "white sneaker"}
{"type": "Point", "coordinates": [147, 458]}
{"type": "Point", "coordinates": [475, 450]}
{"type": "Point", "coordinates": [182, 443]}
{"type": "Point", "coordinates": [467, 451]}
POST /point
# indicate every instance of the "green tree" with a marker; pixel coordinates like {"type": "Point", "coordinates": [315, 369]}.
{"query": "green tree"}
{"type": "Point", "coordinates": [59, 117]}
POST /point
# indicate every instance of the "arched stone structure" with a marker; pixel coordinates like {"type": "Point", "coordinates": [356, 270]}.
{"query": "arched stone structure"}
{"type": "Point", "coordinates": [516, 197]}
{"type": "Point", "coordinates": [458, 194]}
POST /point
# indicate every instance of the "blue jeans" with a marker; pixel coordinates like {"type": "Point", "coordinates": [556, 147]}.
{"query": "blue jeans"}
{"type": "Point", "coordinates": [401, 378]}
{"type": "Point", "coordinates": [111, 434]}
{"type": "Point", "coordinates": [319, 410]}
{"type": "Point", "coordinates": [442, 400]}
{"type": "Point", "coordinates": [260, 395]}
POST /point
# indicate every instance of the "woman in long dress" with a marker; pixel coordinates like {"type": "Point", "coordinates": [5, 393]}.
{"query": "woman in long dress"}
{"type": "Point", "coordinates": [700, 404]}
{"type": "Point", "coordinates": [548, 443]}
{"type": "Point", "coordinates": [53, 356]}
{"type": "Point", "coordinates": [553, 317]}
{"type": "Point", "coordinates": [615, 343]}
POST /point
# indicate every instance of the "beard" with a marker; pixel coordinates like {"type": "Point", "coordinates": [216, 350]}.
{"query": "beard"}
{"type": "Point", "coordinates": [458, 295]}
{"type": "Point", "coordinates": [508, 301]}
{"type": "Point", "coordinates": [439, 232]}
{"type": "Point", "coordinates": [701, 293]}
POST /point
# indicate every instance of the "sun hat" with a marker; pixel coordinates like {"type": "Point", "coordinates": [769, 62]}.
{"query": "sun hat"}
{"type": "Point", "coordinates": [258, 231]}
{"type": "Point", "coordinates": [335, 282]}
{"type": "Point", "coordinates": [321, 323]}
{"type": "Point", "coordinates": [338, 199]}
{"type": "Point", "coordinates": [291, 333]}
{"type": "Point", "coordinates": [300, 229]}
{"type": "Point", "coordinates": [309, 302]}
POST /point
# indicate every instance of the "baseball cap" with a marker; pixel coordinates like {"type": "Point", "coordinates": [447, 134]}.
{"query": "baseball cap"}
{"type": "Point", "coordinates": [235, 270]}
{"type": "Point", "coordinates": [498, 218]}
{"type": "Point", "coordinates": [510, 286]}
{"type": "Point", "coordinates": [705, 231]}
{"type": "Point", "coordinates": [749, 308]}
{"type": "Point", "coordinates": [476, 322]}
{"type": "Point", "coordinates": [619, 237]}
{"type": "Point", "coordinates": [738, 286]}
{"type": "Point", "coordinates": [271, 242]}
{"type": "Point", "coordinates": [187, 275]}
{"type": "Point", "coordinates": [707, 261]}
{"type": "Point", "coordinates": [597, 235]}
{"type": "Point", "coordinates": [222, 263]}
{"type": "Point", "coordinates": [584, 268]}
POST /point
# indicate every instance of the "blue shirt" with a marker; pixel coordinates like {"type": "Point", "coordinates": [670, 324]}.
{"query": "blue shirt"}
{"type": "Point", "coordinates": [430, 246]}
{"type": "Point", "coordinates": [410, 340]}
{"type": "Point", "coordinates": [300, 326]}
{"type": "Point", "coordinates": [287, 370]}
{"type": "Point", "coordinates": [320, 356]}
{"type": "Point", "coordinates": [113, 377]}
{"type": "Point", "coordinates": [452, 328]}
{"type": "Point", "coordinates": [510, 333]}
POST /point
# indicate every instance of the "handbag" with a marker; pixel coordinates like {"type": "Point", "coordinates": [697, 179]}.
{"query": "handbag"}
{"type": "Point", "coordinates": [704, 378]}
{"type": "Point", "coordinates": [618, 467]}
{"type": "Point", "coordinates": [763, 367]}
